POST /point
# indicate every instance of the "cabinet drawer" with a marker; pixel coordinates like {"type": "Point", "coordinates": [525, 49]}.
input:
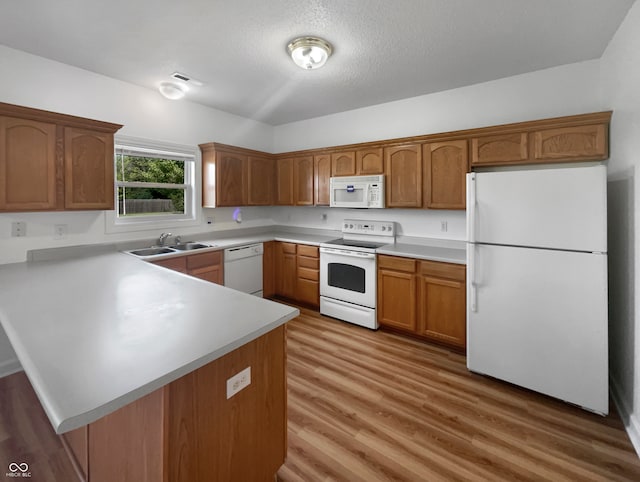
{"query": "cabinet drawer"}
{"type": "Point", "coordinates": [312, 263]}
{"type": "Point", "coordinates": [443, 270]}
{"type": "Point", "coordinates": [176, 264]}
{"type": "Point", "coordinates": [306, 250]}
{"type": "Point", "coordinates": [289, 248]}
{"type": "Point", "coordinates": [204, 259]}
{"type": "Point", "coordinates": [308, 292]}
{"type": "Point", "coordinates": [397, 263]}
{"type": "Point", "coordinates": [310, 274]}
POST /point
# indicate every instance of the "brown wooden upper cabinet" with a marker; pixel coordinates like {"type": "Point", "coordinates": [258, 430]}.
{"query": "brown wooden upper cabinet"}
{"type": "Point", "coordinates": [361, 162]}
{"type": "Point", "coordinates": [445, 168]}
{"type": "Point", "coordinates": [420, 172]}
{"type": "Point", "coordinates": [369, 161]}
{"type": "Point", "coordinates": [88, 169]}
{"type": "Point", "coordinates": [570, 143]}
{"type": "Point", "coordinates": [51, 161]}
{"type": "Point", "coordinates": [232, 176]}
{"type": "Point", "coordinates": [260, 181]}
{"type": "Point", "coordinates": [500, 149]}
{"type": "Point", "coordinates": [284, 182]}
{"type": "Point", "coordinates": [27, 165]}
{"type": "Point", "coordinates": [303, 181]}
{"type": "Point", "coordinates": [321, 177]}
{"type": "Point", "coordinates": [581, 137]}
{"type": "Point", "coordinates": [343, 163]}
{"type": "Point", "coordinates": [403, 169]}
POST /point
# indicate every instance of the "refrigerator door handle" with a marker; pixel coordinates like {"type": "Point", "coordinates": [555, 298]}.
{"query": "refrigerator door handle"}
{"type": "Point", "coordinates": [471, 207]}
{"type": "Point", "coordinates": [473, 290]}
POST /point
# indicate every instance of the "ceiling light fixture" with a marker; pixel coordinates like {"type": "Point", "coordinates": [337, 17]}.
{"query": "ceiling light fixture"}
{"type": "Point", "coordinates": [173, 90]}
{"type": "Point", "coordinates": [309, 52]}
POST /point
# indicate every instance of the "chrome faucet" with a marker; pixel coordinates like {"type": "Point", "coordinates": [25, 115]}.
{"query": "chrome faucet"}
{"type": "Point", "coordinates": [163, 237]}
{"type": "Point", "coordinates": [178, 239]}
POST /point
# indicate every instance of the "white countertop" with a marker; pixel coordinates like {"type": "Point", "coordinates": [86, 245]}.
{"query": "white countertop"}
{"type": "Point", "coordinates": [447, 251]}
{"type": "Point", "coordinates": [96, 333]}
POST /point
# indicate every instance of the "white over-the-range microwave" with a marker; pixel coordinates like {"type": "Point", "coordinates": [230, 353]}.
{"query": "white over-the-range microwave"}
{"type": "Point", "coordinates": [357, 192]}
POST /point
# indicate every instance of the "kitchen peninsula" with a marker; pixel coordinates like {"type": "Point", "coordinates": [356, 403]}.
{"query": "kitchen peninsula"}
{"type": "Point", "coordinates": [132, 362]}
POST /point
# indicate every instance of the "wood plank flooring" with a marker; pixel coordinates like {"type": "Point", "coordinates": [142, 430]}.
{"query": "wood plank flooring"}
{"type": "Point", "coordinates": [374, 406]}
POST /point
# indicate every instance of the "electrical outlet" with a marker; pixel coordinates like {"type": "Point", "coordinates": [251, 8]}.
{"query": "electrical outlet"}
{"type": "Point", "coordinates": [238, 382]}
{"type": "Point", "coordinates": [209, 219]}
{"type": "Point", "coordinates": [443, 226]}
{"type": "Point", "coordinates": [60, 231]}
{"type": "Point", "coordinates": [18, 229]}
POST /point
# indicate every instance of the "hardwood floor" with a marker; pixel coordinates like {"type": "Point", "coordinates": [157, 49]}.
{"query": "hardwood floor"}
{"type": "Point", "coordinates": [374, 406]}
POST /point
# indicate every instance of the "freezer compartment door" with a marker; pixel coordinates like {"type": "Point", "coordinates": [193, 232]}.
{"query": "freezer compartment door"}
{"type": "Point", "coordinates": [558, 208]}
{"type": "Point", "coordinates": [538, 318]}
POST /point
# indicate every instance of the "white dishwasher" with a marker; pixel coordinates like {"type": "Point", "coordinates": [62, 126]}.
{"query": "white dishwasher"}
{"type": "Point", "coordinates": [243, 268]}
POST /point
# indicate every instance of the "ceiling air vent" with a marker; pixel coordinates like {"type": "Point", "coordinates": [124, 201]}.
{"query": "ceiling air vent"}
{"type": "Point", "coordinates": [186, 78]}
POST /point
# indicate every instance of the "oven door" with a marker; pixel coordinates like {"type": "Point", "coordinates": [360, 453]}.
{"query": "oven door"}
{"type": "Point", "coordinates": [348, 276]}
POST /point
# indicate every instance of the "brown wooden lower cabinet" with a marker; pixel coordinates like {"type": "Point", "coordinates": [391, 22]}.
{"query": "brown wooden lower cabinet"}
{"type": "Point", "coordinates": [189, 431]}
{"type": "Point", "coordinates": [297, 272]}
{"type": "Point", "coordinates": [423, 298]}
{"type": "Point", "coordinates": [207, 266]}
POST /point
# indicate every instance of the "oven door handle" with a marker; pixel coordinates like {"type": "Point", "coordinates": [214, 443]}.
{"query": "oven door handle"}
{"type": "Point", "coordinates": [347, 253]}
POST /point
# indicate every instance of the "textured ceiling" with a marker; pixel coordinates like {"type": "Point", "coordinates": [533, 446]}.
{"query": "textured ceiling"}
{"type": "Point", "coordinates": [384, 50]}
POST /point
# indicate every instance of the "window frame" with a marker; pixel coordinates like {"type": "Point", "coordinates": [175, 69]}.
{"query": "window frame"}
{"type": "Point", "coordinates": [147, 148]}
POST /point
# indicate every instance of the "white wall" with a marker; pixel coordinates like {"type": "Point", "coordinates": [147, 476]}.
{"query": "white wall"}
{"type": "Point", "coordinates": [44, 84]}
{"type": "Point", "coordinates": [569, 89]}
{"type": "Point", "coordinates": [620, 67]}
{"type": "Point", "coordinates": [409, 222]}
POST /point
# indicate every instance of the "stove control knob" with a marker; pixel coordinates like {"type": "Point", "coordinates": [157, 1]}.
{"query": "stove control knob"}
{"type": "Point", "coordinates": [384, 228]}
{"type": "Point", "coordinates": [346, 225]}
{"type": "Point", "coordinates": [351, 226]}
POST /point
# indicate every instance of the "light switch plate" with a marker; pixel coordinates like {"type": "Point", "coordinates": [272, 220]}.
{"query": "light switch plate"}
{"type": "Point", "coordinates": [238, 382]}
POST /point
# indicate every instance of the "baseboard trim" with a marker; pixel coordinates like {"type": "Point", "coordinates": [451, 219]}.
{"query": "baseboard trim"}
{"type": "Point", "coordinates": [631, 422]}
{"type": "Point", "coordinates": [10, 367]}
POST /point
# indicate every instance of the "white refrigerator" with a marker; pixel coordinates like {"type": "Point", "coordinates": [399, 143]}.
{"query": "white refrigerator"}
{"type": "Point", "coordinates": [537, 280]}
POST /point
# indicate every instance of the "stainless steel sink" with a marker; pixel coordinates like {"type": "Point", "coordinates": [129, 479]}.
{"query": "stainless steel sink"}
{"type": "Point", "coordinates": [152, 251]}
{"type": "Point", "coordinates": [189, 246]}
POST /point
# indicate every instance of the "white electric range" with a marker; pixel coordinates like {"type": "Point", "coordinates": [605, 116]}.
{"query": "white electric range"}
{"type": "Point", "coordinates": [348, 271]}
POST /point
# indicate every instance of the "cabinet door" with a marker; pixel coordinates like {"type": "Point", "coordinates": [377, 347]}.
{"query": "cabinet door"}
{"type": "Point", "coordinates": [500, 149]}
{"type": "Point", "coordinates": [571, 143]}
{"type": "Point", "coordinates": [303, 181]}
{"type": "Point", "coordinates": [321, 177]}
{"type": "Point", "coordinates": [231, 169]}
{"type": "Point", "coordinates": [397, 293]}
{"type": "Point", "coordinates": [27, 165]}
{"type": "Point", "coordinates": [286, 269]}
{"type": "Point", "coordinates": [284, 182]}
{"type": "Point", "coordinates": [208, 177]}
{"type": "Point", "coordinates": [308, 275]}
{"type": "Point", "coordinates": [78, 442]}
{"type": "Point", "coordinates": [260, 181]}
{"type": "Point", "coordinates": [369, 161]}
{"type": "Point", "coordinates": [88, 173]}
{"type": "Point", "coordinates": [214, 274]}
{"type": "Point", "coordinates": [445, 167]}
{"type": "Point", "coordinates": [442, 303]}
{"type": "Point", "coordinates": [403, 169]}
{"type": "Point", "coordinates": [269, 269]}
{"type": "Point", "coordinates": [343, 163]}
{"type": "Point", "coordinates": [175, 264]}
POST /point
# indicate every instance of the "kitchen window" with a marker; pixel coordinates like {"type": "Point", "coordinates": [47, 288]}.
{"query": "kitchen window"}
{"type": "Point", "coordinates": [154, 185]}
